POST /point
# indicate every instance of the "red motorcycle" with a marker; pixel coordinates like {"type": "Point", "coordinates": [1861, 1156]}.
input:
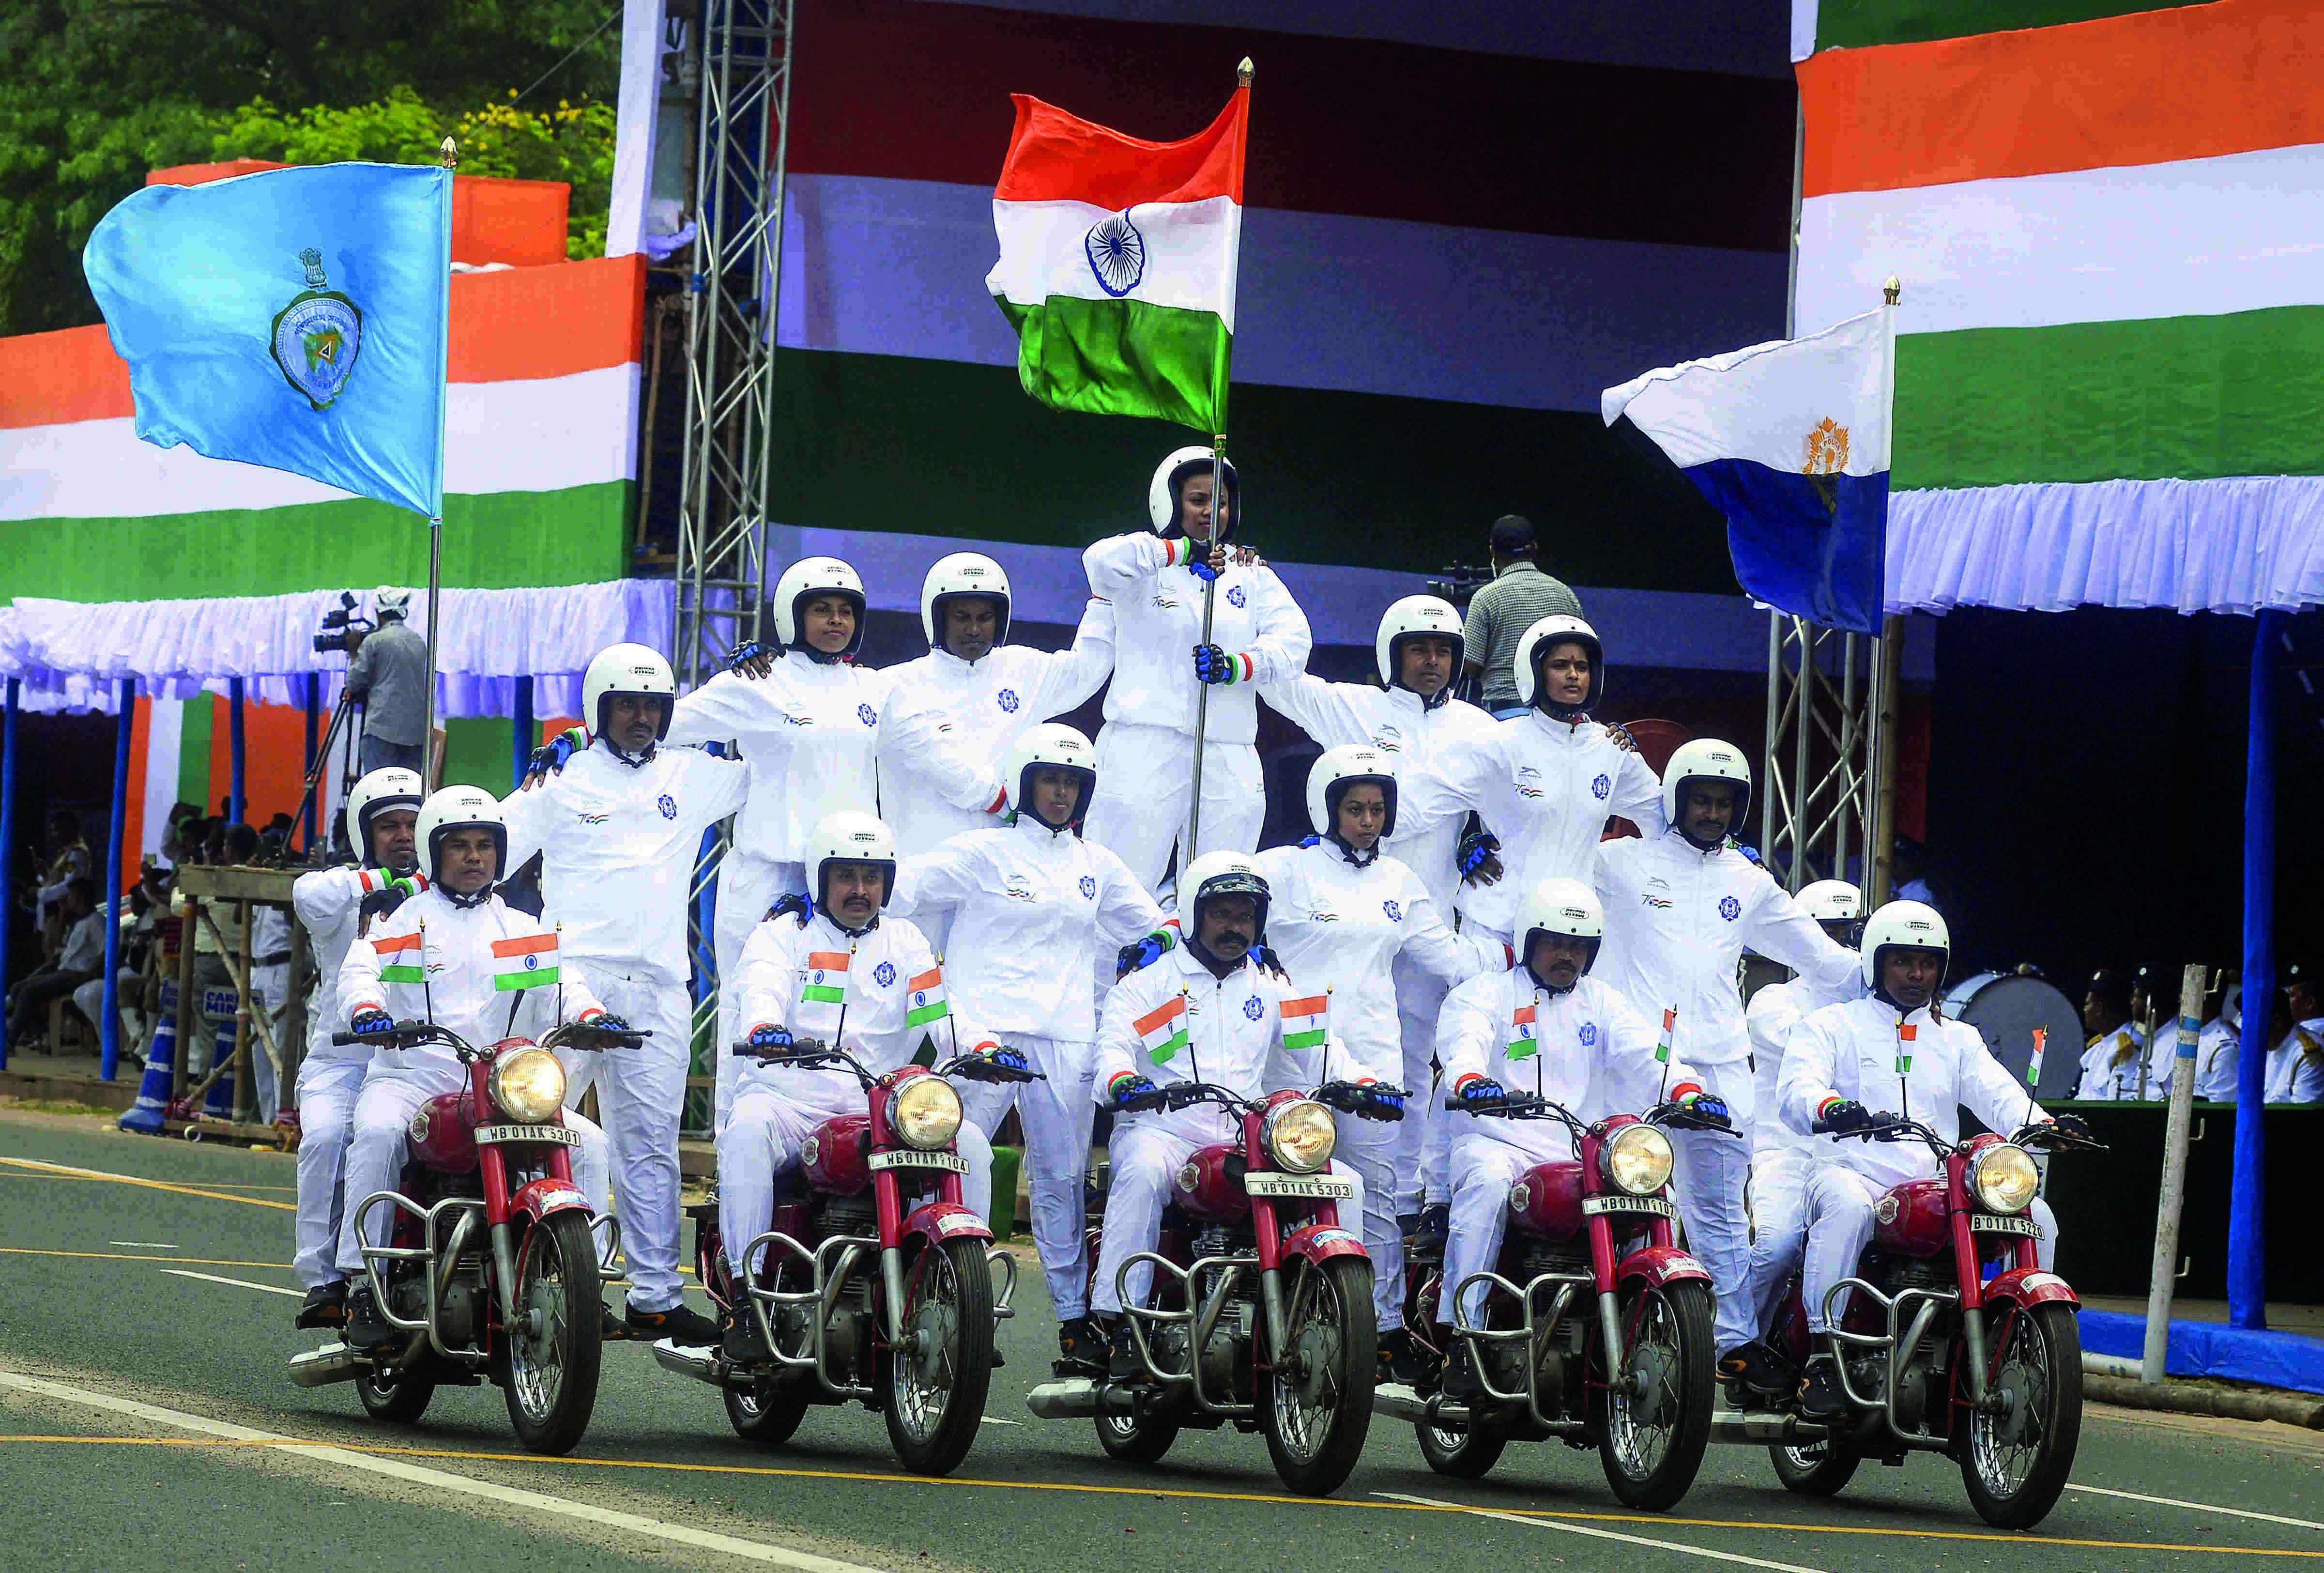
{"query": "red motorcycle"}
{"type": "Point", "coordinates": [491, 1268]}
{"type": "Point", "coordinates": [1260, 1313]}
{"type": "Point", "coordinates": [875, 1284]}
{"type": "Point", "coordinates": [1935, 1355]}
{"type": "Point", "coordinates": [1596, 1326]}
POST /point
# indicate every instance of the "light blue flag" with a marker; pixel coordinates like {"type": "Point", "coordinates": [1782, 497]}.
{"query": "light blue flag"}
{"type": "Point", "coordinates": [297, 319]}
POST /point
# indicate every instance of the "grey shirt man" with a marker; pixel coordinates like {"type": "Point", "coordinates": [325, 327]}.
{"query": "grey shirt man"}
{"type": "Point", "coordinates": [1500, 613]}
{"type": "Point", "coordinates": [390, 674]}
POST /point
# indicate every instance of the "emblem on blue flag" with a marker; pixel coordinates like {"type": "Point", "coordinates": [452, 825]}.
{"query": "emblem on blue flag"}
{"type": "Point", "coordinates": [318, 335]}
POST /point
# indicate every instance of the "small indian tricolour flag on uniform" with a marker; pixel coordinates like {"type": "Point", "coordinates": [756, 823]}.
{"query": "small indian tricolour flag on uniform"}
{"type": "Point", "coordinates": [1118, 262]}
{"type": "Point", "coordinates": [2034, 1065]}
{"type": "Point", "coordinates": [1904, 1036]}
{"type": "Point", "coordinates": [526, 961]}
{"type": "Point", "coordinates": [1670, 1029]}
{"type": "Point", "coordinates": [1163, 1029]}
{"type": "Point", "coordinates": [924, 998]}
{"type": "Point", "coordinates": [825, 982]}
{"type": "Point", "coordinates": [399, 959]}
{"type": "Point", "coordinates": [1522, 1041]}
{"type": "Point", "coordinates": [1304, 1022]}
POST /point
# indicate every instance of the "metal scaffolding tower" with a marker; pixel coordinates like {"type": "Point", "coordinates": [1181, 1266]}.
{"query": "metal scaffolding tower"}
{"type": "Point", "coordinates": [1827, 807]}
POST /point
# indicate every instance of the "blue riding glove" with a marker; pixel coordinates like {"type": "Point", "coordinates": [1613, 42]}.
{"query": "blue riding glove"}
{"type": "Point", "coordinates": [1008, 1059]}
{"type": "Point", "coordinates": [1141, 954]}
{"type": "Point", "coordinates": [370, 1023]}
{"type": "Point", "coordinates": [1707, 1106]}
{"type": "Point", "coordinates": [766, 1035]}
{"type": "Point", "coordinates": [605, 1021]}
{"type": "Point", "coordinates": [1214, 665]}
{"type": "Point", "coordinates": [1478, 1089]}
{"type": "Point", "coordinates": [1200, 566]}
{"type": "Point", "coordinates": [1381, 1101]}
{"type": "Point", "coordinates": [1842, 1116]}
{"type": "Point", "coordinates": [802, 907]}
{"type": "Point", "coordinates": [550, 758]}
{"type": "Point", "coordinates": [1131, 1092]}
{"type": "Point", "coordinates": [748, 654]}
{"type": "Point", "coordinates": [1266, 960]}
{"type": "Point", "coordinates": [1476, 847]}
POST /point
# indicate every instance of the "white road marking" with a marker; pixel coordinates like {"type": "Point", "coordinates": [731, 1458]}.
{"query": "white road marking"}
{"type": "Point", "coordinates": [1598, 1534]}
{"type": "Point", "coordinates": [148, 1245]}
{"type": "Point", "coordinates": [2297, 1523]}
{"type": "Point", "coordinates": [237, 1282]}
{"type": "Point", "coordinates": [442, 1480]}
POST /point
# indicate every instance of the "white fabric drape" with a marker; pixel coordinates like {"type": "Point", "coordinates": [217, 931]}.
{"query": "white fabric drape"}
{"type": "Point", "coordinates": [72, 654]}
{"type": "Point", "coordinates": [2235, 545]}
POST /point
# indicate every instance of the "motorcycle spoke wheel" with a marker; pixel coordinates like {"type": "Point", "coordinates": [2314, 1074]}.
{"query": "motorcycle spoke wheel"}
{"type": "Point", "coordinates": [554, 1350]}
{"type": "Point", "coordinates": [764, 1414]}
{"type": "Point", "coordinates": [1318, 1403]}
{"type": "Point", "coordinates": [2016, 1459]}
{"type": "Point", "coordinates": [1815, 1469]}
{"type": "Point", "coordinates": [1656, 1421]}
{"type": "Point", "coordinates": [936, 1382]}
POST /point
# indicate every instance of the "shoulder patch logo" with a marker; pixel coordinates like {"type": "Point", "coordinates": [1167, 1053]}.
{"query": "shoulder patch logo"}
{"type": "Point", "coordinates": [1088, 888]}
{"type": "Point", "coordinates": [1251, 1008]}
{"type": "Point", "coordinates": [1395, 910]}
{"type": "Point", "coordinates": [1600, 787]}
{"type": "Point", "coordinates": [1008, 702]}
{"type": "Point", "coordinates": [867, 715]}
{"type": "Point", "coordinates": [1589, 1034]}
{"type": "Point", "coordinates": [667, 805]}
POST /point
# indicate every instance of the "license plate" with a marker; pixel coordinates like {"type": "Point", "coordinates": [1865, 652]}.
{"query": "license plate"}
{"type": "Point", "coordinates": [912, 1158]}
{"type": "Point", "coordinates": [1308, 1186]}
{"type": "Point", "coordinates": [1628, 1204]}
{"type": "Point", "coordinates": [552, 1135]}
{"type": "Point", "coordinates": [1991, 1224]}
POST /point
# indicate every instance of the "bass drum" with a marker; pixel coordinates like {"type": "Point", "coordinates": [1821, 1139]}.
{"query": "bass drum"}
{"type": "Point", "coordinates": [2006, 1009]}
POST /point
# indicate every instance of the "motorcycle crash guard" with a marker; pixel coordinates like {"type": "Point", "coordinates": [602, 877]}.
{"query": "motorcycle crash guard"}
{"type": "Point", "coordinates": [1319, 1243]}
{"type": "Point", "coordinates": [939, 1221]}
{"type": "Point", "coordinates": [1656, 1266]}
{"type": "Point", "coordinates": [2029, 1286]}
{"type": "Point", "coordinates": [543, 1197]}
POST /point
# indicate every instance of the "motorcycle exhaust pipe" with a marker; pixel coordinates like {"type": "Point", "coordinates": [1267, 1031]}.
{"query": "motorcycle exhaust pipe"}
{"type": "Point", "coordinates": [1399, 1401]}
{"type": "Point", "coordinates": [699, 1363]}
{"type": "Point", "coordinates": [1074, 1398]}
{"type": "Point", "coordinates": [323, 1366]}
{"type": "Point", "coordinates": [1765, 1426]}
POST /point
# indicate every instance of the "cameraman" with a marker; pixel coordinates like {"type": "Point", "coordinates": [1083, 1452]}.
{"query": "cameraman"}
{"type": "Point", "coordinates": [388, 675]}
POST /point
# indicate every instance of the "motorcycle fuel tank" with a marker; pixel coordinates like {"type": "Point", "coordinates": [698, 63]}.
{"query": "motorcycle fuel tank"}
{"type": "Point", "coordinates": [1210, 1184]}
{"type": "Point", "coordinates": [1546, 1201]}
{"type": "Point", "coordinates": [442, 1135]}
{"type": "Point", "coordinates": [837, 1157]}
{"type": "Point", "coordinates": [1911, 1219]}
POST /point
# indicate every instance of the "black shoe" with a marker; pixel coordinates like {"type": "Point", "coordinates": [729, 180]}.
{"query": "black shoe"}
{"type": "Point", "coordinates": [1461, 1383]}
{"type": "Point", "coordinates": [1822, 1397]}
{"type": "Point", "coordinates": [1402, 1358]}
{"type": "Point", "coordinates": [1435, 1228]}
{"type": "Point", "coordinates": [610, 1327]}
{"type": "Point", "coordinates": [1123, 1363]}
{"type": "Point", "coordinates": [1081, 1348]}
{"type": "Point", "coordinates": [1756, 1367]}
{"type": "Point", "coordinates": [681, 1324]}
{"type": "Point", "coordinates": [326, 1306]}
{"type": "Point", "coordinates": [366, 1328]}
{"type": "Point", "coordinates": [739, 1340]}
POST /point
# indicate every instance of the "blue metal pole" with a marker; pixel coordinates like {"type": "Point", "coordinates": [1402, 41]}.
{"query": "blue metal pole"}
{"type": "Point", "coordinates": [109, 1061]}
{"type": "Point", "coordinates": [2247, 1200]}
{"type": "Point", "coordinates": [314, 727]}
{"type": "Point", "coordinates": [239, 808]}
{"type": "Point", "coordinates": [525, 728]}
{"type": "Point", "coordinates": [7, 827]}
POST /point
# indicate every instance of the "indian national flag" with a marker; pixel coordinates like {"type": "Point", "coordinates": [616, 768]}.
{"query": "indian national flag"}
{"type": "Point", "coordinates": [1904, 1036]}
{"type": "Point", "coordinates": [1163, 1029]}
{"type": "Point", "coordinates": [1118, 263]}
{"type": "Point", "coordinates": [1670, 1031]}
{"type": "Point", "coordinates": [524, 961]}
{"type": "Point", "coordinates": [925, 998]}
{"type": "Point", "coordinates": [2034, 1065]}
{"type": "Point", "coordinates": [1304, 1022]}
{"type": "Point", "coordinates": [400, 958]}
{"type": "Point", "coordinates": [825, 981]}
{"type": "Point", "coordinates": [1522, 1043]}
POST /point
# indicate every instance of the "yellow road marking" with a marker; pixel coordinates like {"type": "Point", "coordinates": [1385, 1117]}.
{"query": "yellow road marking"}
{"type": "Point", "coordinates": [248, 1201]}
{"type": "Point", "coordinates": [123, 1256]}
{"type": "Point", "coordinates": [1151, 1491]}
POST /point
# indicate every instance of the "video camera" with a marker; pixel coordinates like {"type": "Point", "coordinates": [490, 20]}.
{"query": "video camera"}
{"type": "Point", "coordinates": [343, 628]}
{"type": "Point", "coordinates": [1458, 582]}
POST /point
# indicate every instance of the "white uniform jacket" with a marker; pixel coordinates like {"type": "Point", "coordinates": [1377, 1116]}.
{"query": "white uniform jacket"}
{"type": "Point", "coordinates": [618, 844]}
{"type": "Point", "coordinates": [1545, 787]}
{"type": "Point", "coordinates": [1677, 922]}
{"type": "Point", "coordinates": [2218, 1051]}
{"type": "Point", "coordinates": [1158, 621]}
{"type": "Point", "coordinates": [2295, 1067]}
{"type": "Point", "coordinates": [1431, 807]}
{"type": "Point", "coordinates": [1336, 927]}
{"type": "Point", "coordinates": [329, 903]}
{"type": "Point", "coordinates": [884, 974]}
{"type": "Point", "coordinates": [984, 706]}
{"type": "Point", "coordinates": [1773, 1014]}
{"type": "Point", "coordinates": [1234, 1028]}
{"type": "Point", "coordinates": [1587, 1049]}
{"type": "Point", "coordinates": [462, 994]}
{"type": "Point", "coordinates": [2103, 1079]}
{"type": "Point", "coordinates": [812, 732]}
{"type": "Point", "coordinates": [1033, 912]}
{"type": "Point", "coordinates": [1852, 1051]}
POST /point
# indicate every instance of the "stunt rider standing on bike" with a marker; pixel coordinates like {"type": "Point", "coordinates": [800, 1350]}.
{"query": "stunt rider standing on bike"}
{"type": "Point", "coordinates": [1210, 1011]}
{"type": "Point", "coordinates": [840, 974]}
{"type": "Point", "coordinates": [436, 960]}
{"type": "Point", "coordinates": [1545, 1026]}
{"type": "Point", "coordinates": [1847, 1059]}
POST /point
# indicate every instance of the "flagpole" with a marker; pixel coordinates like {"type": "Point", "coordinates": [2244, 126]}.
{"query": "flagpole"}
{"type": "Point", "coordinates": [428, 761]}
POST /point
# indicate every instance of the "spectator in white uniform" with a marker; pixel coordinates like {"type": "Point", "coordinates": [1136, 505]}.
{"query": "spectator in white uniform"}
{"type": "Point", "coordinates": [2295, 1058]}
{"type": "Point", "coordinates": [2114, 1058]}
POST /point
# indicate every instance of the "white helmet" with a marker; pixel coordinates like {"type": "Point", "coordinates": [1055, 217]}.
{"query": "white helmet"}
{"type": "Point", "coordinates": [1172, 473]}
{"type": "Point", "coordinates": [1706, 759]}
{"type": "Point", "coordinates": [1338, 770]}
{"type": "Point", "coordinates": [810, 576]}
{"type": "Point", "coordinates": [1560, 906]}
{"type": "Point", "coordinates": [851, 836]}
{"type": "Point", "coordinates": [377, 791]}
{"type": "Point", "coordinates": [391, 602]}
{"type": "Point", "coordinates": [962, 573]}
{"type": "Point", "coordinates": [1832, 901]}
{"type": "Point", "coordinates": [1534, 645]}
{"type": "Point", "coordinates": [1417, 617]}
{"type": "Point", "coordinates": [1903, 925]}
{"type": "Point", "coordinates": [1057, 745]}
{"type": "Point", "coordinates": [1221, 874]}
{"type": "Point", "coordinates": [460, 808]}
{"type": "Point", "coordinates": [627, 668]}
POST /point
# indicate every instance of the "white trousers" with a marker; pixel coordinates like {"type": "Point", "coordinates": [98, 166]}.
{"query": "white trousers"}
{"type": "Point", "coordinates": [1145, 1159]}
{"type": "Point", "coordinates": [375, 1150]}
{"type": "Point", "coordinates": [1484, 1168]}
{"type": "Point", "coordinates": [1372, 1149]}
{"type": "Point", "coordinates": [641, 1096]}
{"type": "Point", "coordinates": [1146, 785]}
{"type": "Point", "coordinates": [1712, 1168]}
{"type": "Point", "coordinates": [747, 887]}
{"type": "Point", "coordinates": [1839, 1203]}
{"type": "Point", "coordinates": [1419, 1000]}
{"type": "Point", "coordinates": [762, 1136]}
{"type": "Point", "coordinates": [327, 1094]}
{"type": "Point", "coordinates": [1056, 1115]}
{"type": "Point", "coordinates": [1779, 1227]}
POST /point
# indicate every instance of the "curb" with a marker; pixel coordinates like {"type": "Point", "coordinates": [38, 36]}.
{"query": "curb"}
{"type": "Point", "coordinates": [42, 1087]}
{"type": "Point", "coordinates": [2290, 1408]}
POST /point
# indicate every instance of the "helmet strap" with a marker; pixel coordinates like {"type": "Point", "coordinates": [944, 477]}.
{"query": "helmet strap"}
{"type": "Point", "coordinates": [1364, 859]}
{"type": "Point", "coordinates": [482, 894]}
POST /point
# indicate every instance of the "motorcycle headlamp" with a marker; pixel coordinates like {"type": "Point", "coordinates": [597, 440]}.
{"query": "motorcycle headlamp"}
{"type": "Point", "coordinates": [1300, 1136]}
{"type": "Point", "coordinates": [2003, 1178]}
{"type": "Point", "coordinates": [1636, 1158]}
{"type": "Point", "coordinates": [528, 1084]}
{"type": "Point", "coordinates": [924, 1113]}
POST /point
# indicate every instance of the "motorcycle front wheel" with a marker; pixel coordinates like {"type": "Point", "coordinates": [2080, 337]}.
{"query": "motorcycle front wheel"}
{"type": "Point", "coordinates": [937, 1383]}
{"type": "Point", "coordinates": [1466, 1452]}
{"type": "Point", "coordinates": [1655, 1423]}
{"type": "Point", "coordinates": [1317, 1405]}
{"type": "Point", "coordinates": [398, 1396]}
{"type": "Point", "coordinates": [763, 1414]}
{"type": "Point", "coordinates": [1815, 1469]}
{"type": "Point", "coordinates": [554, 1349]}
{"type": "Point", "coordinates": [2014, 1461]}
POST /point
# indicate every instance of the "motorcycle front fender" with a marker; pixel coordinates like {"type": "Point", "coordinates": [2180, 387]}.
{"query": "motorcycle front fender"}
{"type": "Point", "coordinates": [1656, 1266]}
{"type": "Point", "coordinates": [2030, 1286]}
{"type": "Point", "coordinates": [543, 1198]}
{"type": "Point", "coordinates": [939, 1221]}
{"type": "Point", "coordinates": [1319, 1243]}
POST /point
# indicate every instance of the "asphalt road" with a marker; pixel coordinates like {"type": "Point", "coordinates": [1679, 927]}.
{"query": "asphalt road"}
{"type": "Point", "coordinates": [146, 1422]}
